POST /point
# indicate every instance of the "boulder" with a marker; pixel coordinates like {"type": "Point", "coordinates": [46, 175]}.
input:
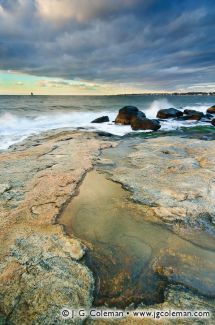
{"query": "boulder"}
{"type": "Point", "coordinates": [140, 115]}
{"type": "Point", "coordinates": [213, 122]}
{"type": "Point", "coordinates": [143, 123]}
{"type": "Point", "coordinates": [209, 116]}
{"type": "Point", "coordinates": [126, 114]}
{"type": "Point", "coordinates": [169, 113]}
{"type": "Point", "coordinates": [193, 115]}
{"type": "Point", "coordinates": [211, 110]}
{"type": "Point", "coordinates": [101, 119]}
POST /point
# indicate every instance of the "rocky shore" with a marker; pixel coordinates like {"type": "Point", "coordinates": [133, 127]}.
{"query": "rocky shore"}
{"type": "Point", "coordinates": [131, 115]}
{"type": "Point", "coordinates": [40, 272]}
{"type": "Point", "coordinates": [173, 176]}
{"type": "Point", "coordinates": [42, 267]}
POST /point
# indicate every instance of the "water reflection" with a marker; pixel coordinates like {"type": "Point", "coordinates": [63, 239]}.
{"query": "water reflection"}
{"type": "Point", "coordinates": [132, 258]}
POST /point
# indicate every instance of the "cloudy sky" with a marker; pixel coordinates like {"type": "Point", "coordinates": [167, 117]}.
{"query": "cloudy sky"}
{"type": "Point", "coordinates": [106, 46]}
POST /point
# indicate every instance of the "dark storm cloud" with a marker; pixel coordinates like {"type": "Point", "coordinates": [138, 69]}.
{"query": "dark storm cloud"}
{"type": "Point", "coordinates": [155, 44]}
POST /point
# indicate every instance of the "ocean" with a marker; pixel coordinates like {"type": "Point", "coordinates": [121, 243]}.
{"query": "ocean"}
{"type": "Point", "coordinates": [22, 116]}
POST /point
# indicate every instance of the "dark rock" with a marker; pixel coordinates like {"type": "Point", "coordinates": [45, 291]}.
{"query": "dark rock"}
{"type": "Point", "coordinates": [104, 134]}
{"type": "Point", "coordinates": [208, 115]}
{"type": "Point", "coordinates": [126, 114]}
{"type": "Point", "coordinates": [184, 118]}
{"type": "Point", "coordinates": [205, 120]}
{"type": "Point", "coordinates": [143, 123]}
{"type": "Point", "coordinates": [213, 122]}
{"type": "Point", "coordinates": [101, 119]}
{"type": "Point", "coordinates": [140, 115]}
{"type": "Point", "coordinates": [169, 113]}
{"type": "Point", "coordinates": [193, 115]}
{"type": "Point", "coordinates": [211, 110]}
{"type": "Point", "coordinates": [192, 111]}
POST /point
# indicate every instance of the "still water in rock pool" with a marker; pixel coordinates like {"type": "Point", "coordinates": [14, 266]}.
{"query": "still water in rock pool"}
{"type": "Point", "coordinates": [132, 259]}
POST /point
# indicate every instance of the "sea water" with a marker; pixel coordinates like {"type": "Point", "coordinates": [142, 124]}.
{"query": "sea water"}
{"type": "Point", "coordinates": [22, 116]}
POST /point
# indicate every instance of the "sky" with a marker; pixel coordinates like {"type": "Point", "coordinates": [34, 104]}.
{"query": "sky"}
{"type": "Point", "coordinates": [95, 47]}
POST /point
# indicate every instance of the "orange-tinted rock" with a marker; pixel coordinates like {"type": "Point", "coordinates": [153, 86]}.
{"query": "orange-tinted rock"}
{"type": "Point", "coordinates": [126, 114]}
{"type": "Point", "coordinates": [39, 263]}
{"type": "Point", "coordinates": [143, 123]}
{"type": "Point", "coordinates": [211, 110]}
{"type": "Point", "coordinates": [193, 115]}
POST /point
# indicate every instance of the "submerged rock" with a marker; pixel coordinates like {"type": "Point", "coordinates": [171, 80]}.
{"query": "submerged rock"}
{"type": "Point", "coordinates": [176, 297]}
{"type": "Point", "coordinates": [126, 114]}
{"type": "Point", "coordinates": [101, 119]}
{"type": "Point", "coordinates": [211, 110]}
{"type": "Point", "coordinates": [169, 113]}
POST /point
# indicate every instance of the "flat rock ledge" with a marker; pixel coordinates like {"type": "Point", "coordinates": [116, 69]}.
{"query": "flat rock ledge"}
{"type": "Point", "coordinates": [174, 177]}
{"type": "Point", "coordinates": [40, 272]}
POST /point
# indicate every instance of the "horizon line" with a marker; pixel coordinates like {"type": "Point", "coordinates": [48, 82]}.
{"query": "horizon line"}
{"type": "Point", "coordinates": [208, 93]}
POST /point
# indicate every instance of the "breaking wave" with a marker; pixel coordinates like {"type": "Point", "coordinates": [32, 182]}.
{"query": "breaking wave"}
{"type": "Point", "coordinates": [16, 126]}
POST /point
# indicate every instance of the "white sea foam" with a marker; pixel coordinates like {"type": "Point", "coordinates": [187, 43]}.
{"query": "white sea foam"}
{"type": "Point", "coordinates": [15, 128]}
{"type": "Point", "coordinates": [164, 103]}
{"type": "Point", "coordinates": [156, 105]}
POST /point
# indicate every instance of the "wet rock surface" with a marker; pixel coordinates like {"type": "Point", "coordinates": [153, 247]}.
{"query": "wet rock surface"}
{"type": "Point", "coordinates": [133, 258]}
{"type": "Point", "coordinates": [118, 256]}
{"type": "Point", "coordinates": [177, 297]}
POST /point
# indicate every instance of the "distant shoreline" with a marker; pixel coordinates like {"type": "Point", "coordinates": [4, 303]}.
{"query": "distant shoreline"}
{"type": "Point", "coordinates": [121, 95]}
{"type": "Point", "coordinates": [172, 94]}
